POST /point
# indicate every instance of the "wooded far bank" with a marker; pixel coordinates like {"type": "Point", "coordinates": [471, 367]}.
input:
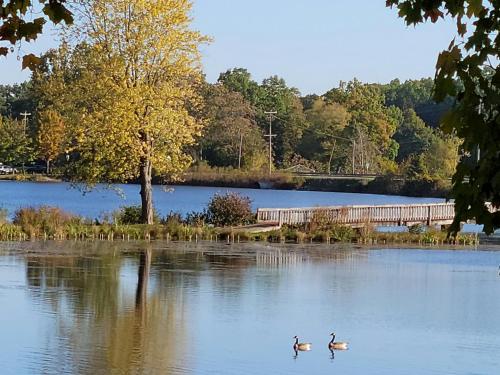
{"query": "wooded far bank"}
{"type": "Point", "coordinates": [355, 128]}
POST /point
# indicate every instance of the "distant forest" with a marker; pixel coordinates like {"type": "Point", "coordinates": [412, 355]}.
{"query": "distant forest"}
{"type": "Point", "coordinates": [355, 128]}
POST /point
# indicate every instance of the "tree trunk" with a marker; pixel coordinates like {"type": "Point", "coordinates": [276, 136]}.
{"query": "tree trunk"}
{"type": "Point", "coordinates": [146, 191]}
{"type": "Point", "coordinates": [48, 166]}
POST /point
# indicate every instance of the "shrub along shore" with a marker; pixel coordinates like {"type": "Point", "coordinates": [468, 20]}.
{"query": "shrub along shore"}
{"type": "Point", "coordinates": [224, 220]}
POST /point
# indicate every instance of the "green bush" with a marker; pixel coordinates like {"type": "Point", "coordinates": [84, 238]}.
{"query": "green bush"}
{"type": "Point", "coordinates": [128, 215]}
{"type": "Point", "coordinates": [341, 233]}
{"type": "Point", "coordinates": [230, 209]}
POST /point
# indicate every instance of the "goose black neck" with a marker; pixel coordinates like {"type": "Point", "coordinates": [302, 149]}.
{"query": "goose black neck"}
{"type": "Point", "coordinates": [296, 340]}
{"type": "Point", "coordinates": [333, 338]}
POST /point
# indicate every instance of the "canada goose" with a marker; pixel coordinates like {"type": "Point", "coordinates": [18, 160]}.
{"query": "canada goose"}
{"type": "Point", "coordinates": [302, 346]}
{"type": "Point", "coordinates": [336, 345]}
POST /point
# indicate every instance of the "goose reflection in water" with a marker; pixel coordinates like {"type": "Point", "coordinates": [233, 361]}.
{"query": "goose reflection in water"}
{"type": "Point", "coordinates": [296, 353]}
{"type": "Point", "coordinates": [332, 357]}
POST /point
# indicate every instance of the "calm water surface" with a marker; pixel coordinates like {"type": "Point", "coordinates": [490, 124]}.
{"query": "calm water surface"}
{"type": "Point", "coordinates": [133, 308]}
{"type": "Point", "coordinates": [183, 199]}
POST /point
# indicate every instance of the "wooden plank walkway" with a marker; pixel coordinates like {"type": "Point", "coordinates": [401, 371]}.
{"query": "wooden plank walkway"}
{"type": "Point", "coordinates": [358, 216]}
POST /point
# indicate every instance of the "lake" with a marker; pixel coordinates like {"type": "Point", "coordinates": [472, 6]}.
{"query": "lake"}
{"type": "Point", "coordinates": [148, 308]}
{"type": "Point", "coordinates": [183, 199]}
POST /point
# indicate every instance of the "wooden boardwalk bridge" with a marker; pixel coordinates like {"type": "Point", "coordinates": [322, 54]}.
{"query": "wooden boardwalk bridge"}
{"type": "Point", "coordinates": [359, 216]}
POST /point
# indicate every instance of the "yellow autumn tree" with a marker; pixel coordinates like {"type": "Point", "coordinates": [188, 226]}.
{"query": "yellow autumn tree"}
{"type": "Point", "coordinates": [50, 136]}
{"type": "Point", "coordinates": [127, 91]}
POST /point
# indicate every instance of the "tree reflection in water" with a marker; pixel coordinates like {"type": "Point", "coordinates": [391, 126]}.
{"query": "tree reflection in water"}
{"type": "Point", "coordinates": [100, 326]}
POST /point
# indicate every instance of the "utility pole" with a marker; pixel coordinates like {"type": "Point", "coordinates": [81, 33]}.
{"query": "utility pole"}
{"type": "Point", "coordinates": [25, 120]}
{"type": "Point", "coordinates": [25, 125]}
{"type": "Point", "coordinates": [271, 135]}
{"type": "Point", "coordinates": [331, 157]}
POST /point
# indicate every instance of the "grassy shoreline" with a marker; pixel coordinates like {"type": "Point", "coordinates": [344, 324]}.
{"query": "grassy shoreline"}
{"type": "Point", "coordinates": [181, 232]}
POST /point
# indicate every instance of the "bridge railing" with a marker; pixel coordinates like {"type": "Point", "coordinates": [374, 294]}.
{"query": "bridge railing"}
{"type": "Point", "coordinates": [353, 215]}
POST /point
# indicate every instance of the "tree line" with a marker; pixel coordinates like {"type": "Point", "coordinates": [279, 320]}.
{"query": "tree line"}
{"type": "Point", "coordinates": [355, 128]}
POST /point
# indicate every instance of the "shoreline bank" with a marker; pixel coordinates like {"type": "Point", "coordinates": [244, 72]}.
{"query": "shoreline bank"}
{"type": "Point", "coordinates": [387, 185]}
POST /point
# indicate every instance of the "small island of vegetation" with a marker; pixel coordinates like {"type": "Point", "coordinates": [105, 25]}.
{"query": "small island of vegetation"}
{"type": "Point", "coordinates": [227, 218]}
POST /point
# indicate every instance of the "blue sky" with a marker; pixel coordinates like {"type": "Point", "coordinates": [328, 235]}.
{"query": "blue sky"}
{"type": "Point", "coordinates": [313, 44]}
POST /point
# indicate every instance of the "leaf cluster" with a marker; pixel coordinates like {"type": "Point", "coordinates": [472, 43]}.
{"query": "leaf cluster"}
{"type": "Point", "coordinates": [476, 115]}
{"type": "Point", "coordinates": [16, 26]}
